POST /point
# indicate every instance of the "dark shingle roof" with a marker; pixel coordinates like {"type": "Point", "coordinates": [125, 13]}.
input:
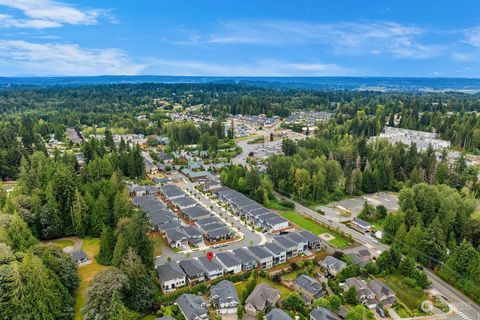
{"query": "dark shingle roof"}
{"type": "Point", "coordinates": [309, 284]}
{"type": "Point", "coordinates": [218, 233]}
{"type": "Point", "coordinates": [277, 314]}
{"type": "Point", "coordinates": [285, 242]}
{"type": "Point", "coordinates": [228, 259]}
{"type": "Point", "coordinates": [274, 248]}
{"type": "Point", "coordinates": [192, 267]}
{"type": "Point", "coordinates": [322, 314]}
{"type": "Point", "coordinates": [196, 212]}
{"type": "Point", "coordinates": [244, 255]}
{"type": "Point", "coordinates": [259, 252]}
{"type": "Point", "coordinates": [224, 292]}
{"type": "Point", "coordinates": [169, 271]}
{"type": "Point", "coordinates": [176, 234]}
{"type": "Point", "coordinates": [212, 265]}
{"type": "Point", "coordinates": [194, 307]}
{"type": "Point", "coordinates": [78, 256]}
{"type": "Point", "coordinates": [184, 201]}
{"type": "Point", "coordinates": [171, 190]}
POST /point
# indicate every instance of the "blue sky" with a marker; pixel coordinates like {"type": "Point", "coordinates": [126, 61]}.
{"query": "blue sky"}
{"type": "Point", "coordinates": [240, 38]}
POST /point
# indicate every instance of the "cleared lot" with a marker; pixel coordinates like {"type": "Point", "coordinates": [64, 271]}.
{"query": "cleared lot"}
{"type": "Point", "coordinates": [348, 208]}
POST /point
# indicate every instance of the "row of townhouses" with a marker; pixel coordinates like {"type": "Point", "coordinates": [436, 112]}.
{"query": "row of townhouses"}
{"type": "Point", "coordinates": [173, 275]}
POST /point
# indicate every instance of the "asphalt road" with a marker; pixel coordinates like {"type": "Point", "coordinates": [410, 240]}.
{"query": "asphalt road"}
{"type": "Point", "coordinates": [466, 308]}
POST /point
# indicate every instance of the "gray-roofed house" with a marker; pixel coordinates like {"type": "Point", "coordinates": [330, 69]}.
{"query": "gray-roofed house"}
{"type": "Point", "coordinates": [193, 307]}
{"type": "Point", "coordinates": [248, 260]}
{"type": "Point", "coordinates": [171, 276]}
{"type": "Point", "coordinates": [194, 270]}
{"type": "Point", "coordinates": [184, 202]}
{"type": "Point", "coordinates": [194, 235]}
{"type": "Point", "coordinates": [314, 242]}
{"type": "Point", "coordinates": [322, 314]}
{"type": "Point", "coordinates": [264, 257]}
{"type": "Point", "coordinates": [169, 225]}
{"type": "Point", "coordinates": [224, 297]}
{"type": "Point", "coordinates": [273, 222]}
{"type": "Point", "coordinates": [261, 297]}
{"type": "Point", "coordinates": [365, 293]}
{"type": "Point", "coordinates": [213, 269]}
{"type": "Point", "coordinates": [301, 242]}
{"type": "Point", "coordinates": [383, 293]}
{"type": "Point", "coordinates": [362, 224]}
{"type": "Point", "coordinates": [219, 234]}
{"type": "Point", "coordinates": [277, 314]}
{"type": "Point", "coordinates": [176, 237]}
{"type": "Point", "coordinates": [290, 247]}
{"type": "Point", "coordinates": [279, 254]}
{"type": "Point", "coordinates": [309, 288]}
{"type": "Point", "coordinates": [172, 192]}
{"type": "Point", "coordinates": [230, 262]}
{"type": "Point", "coordinates": [195, 213]}
{"type": "Point", "coordinates": [361, 256]}
{"type": "Point", "coordinates": [332, 265]}
{"type": "Point", "coordinates": [212, 185]}
{"type": "Point", "coordinates": [79, 256]}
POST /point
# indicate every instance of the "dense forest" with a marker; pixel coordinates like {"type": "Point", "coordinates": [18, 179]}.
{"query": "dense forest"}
{"type": "Point", "coordinates": [54, 197]}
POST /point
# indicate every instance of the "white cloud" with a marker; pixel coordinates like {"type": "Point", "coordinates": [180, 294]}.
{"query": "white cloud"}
{"type": "Point", "coordinates": [22, 57]}
{"type": "Point", "coordinates": [381, 37]}
{"type": "Point", "coordinates": [255, 68]}
{"type": "Point", "coordinates": [41, 14]}
{"type": "Point", "coordinates": [472, 36]}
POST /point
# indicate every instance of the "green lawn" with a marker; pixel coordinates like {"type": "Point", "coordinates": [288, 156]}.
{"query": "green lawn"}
{"type": "Point", "coordinates": [86, 274]}
{"type": "Point", "coordinates": [411, 297]}
{"type": "Point", "coordinates": [239, 287]}
{"type": "Point", "coordinates": [283, 291]}
{"type": "Point", "coordinates": [292, 275]}
{"type": "Point", "coordinates": [315, 228]}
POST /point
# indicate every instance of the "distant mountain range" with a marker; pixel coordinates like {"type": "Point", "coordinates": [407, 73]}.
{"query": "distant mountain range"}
{"type": "Point", "coordinates": [468, 85]}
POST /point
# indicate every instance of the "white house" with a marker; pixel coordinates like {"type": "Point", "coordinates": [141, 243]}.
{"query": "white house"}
{"type": "Point", "coordinates": [171, 276]}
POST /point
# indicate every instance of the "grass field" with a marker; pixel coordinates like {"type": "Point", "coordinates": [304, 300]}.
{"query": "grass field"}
{"type": "Point", "coordinates": [411, 297]}
{"type": "Point", "coordinates": [245, 138]}
{"type": "Point", "coordinates": [158, 243]}
{"type": "Point", "coordinates": [315, 228]}
{"type": "Point", "coordinates": [86, 274]}
{"type": "Point", "coordinates": [63, 243]}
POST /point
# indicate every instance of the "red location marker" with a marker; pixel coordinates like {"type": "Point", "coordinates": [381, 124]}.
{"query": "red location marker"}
{"type": "Point", "coordinates": [209, 255]}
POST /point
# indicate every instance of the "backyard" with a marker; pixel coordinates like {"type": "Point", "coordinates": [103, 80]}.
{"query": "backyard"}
{"type": "Point", "coordinates": [283, 290]}
{"type": "Point", "coordinates": [86, 274]}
